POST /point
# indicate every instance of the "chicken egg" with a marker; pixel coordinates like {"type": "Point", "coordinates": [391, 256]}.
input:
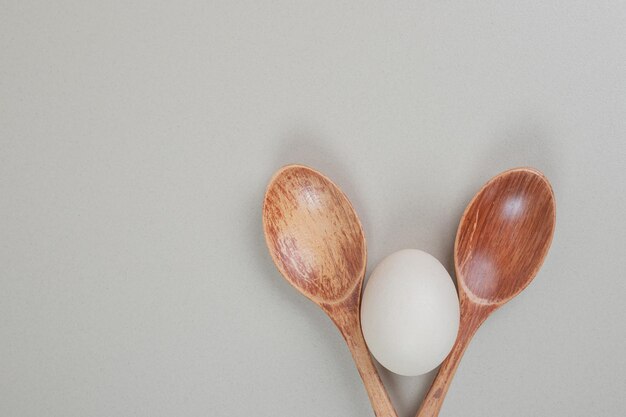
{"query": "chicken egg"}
{"type": "Point", "coordinates": [410, 312]}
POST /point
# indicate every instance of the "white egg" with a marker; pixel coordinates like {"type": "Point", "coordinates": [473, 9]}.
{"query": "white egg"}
{"type": "Point", "coordinates": [410, 312]}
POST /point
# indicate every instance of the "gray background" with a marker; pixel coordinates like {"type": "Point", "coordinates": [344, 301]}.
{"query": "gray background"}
{"type": "Point", "coordinates": [137, 139]}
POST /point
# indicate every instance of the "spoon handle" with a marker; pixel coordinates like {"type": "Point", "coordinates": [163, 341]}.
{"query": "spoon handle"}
{"type": "Point", "coordinates": [348, 320]}
{"type": "Point", "coordinates": [470, 322]}
{"type": "Point", "coordinates": [373, 385]}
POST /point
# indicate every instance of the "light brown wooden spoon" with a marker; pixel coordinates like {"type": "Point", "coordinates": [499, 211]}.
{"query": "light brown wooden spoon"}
{"type": "Point", "coordinates": [317, 243]}
{"type": "Point", "coordinates": [502, 240]}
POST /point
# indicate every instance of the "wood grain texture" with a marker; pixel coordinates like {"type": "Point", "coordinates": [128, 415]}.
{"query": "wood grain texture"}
{"type": "Point", "coordinates": [317, 243]}
{"type": "Point", "coordinates": [502, 240]}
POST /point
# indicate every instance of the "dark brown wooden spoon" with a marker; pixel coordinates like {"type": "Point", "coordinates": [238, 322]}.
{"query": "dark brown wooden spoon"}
{"type": "Point", "coordinates": [502, 240]}
{"type": "Point", "coordinates": [318, 245]}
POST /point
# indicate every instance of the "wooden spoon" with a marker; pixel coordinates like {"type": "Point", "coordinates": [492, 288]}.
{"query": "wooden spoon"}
{"type": "Point", "coordinates": [317, 243]}
{"type": "Point", "coordinates": [502, 240]}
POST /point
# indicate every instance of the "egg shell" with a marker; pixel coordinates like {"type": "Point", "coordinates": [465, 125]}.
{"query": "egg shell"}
{"type": "Point", "coordinates": [410, 312]}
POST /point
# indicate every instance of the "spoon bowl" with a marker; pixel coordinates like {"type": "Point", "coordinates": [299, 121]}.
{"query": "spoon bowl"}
{"type": "Point", "coordinates": [317, 243]}
{"type": "Point", "coordinates": [502, 241]}
{"type": "Point", "coordinates": [314, 235]}
{"type": "Point", "coordinates": [504, 236]}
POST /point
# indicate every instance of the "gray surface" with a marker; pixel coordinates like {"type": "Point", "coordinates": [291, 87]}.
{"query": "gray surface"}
{"type": "Point", "coordinates": [136, 142]}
